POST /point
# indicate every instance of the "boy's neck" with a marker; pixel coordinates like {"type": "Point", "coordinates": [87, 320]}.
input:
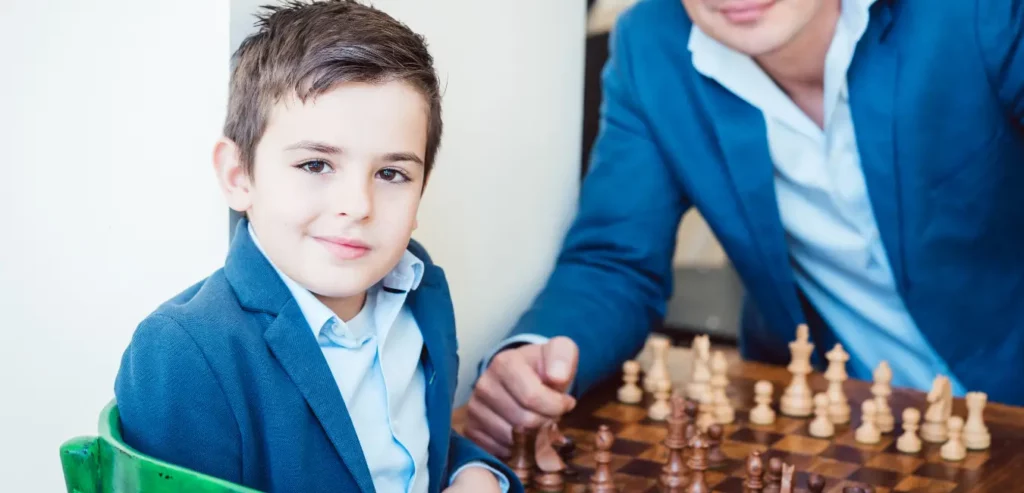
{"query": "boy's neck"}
{"type": "Point", "coordinates": [799, 66]}
{"type": "Point", "coordinates": [345, 308]}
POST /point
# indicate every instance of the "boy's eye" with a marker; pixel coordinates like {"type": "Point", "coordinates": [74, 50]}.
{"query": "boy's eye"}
{"type": "Point", "coordinates": [316, 166]}
{"type": "Point", "coordinates": [392, 175]}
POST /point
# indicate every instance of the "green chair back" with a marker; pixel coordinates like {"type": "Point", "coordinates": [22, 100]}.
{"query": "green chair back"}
{"type": "Point", "coordinates": [105, 464]}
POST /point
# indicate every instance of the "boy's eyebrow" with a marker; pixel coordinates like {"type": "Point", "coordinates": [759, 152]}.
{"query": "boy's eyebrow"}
{"type": "Point", "coordinates": [325, 148]}
{"type": "Point", "coordinates": [314, 146]}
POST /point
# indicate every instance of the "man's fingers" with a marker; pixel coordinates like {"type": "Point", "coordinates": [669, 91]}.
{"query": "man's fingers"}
{"type": "Point", "coordinates": [495, 427]}
{"type": "Point", "coordinates": [492, 394]}
{"type": "Point", "coordinates": [525, 386]}
{"type": "Point", "coordinates": [487, 443]}
{"type": "Point", "coordinates": [559, 357]}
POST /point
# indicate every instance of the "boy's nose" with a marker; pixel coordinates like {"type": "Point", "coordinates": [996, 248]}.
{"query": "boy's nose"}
{"type": "Point", "coordinates": [354, 199]}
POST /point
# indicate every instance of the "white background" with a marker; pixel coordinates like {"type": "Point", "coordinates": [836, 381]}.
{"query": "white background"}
{"type": "Point", "coordinates": [108, 112]}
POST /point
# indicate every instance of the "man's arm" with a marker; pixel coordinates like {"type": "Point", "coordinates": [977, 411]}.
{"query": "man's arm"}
{"type": "Point", "coordinates": [614, 272]}
{"type": "Point", "coordinates": [1000, 25]}
{"type": "Point", "coordinates": [171, 405]}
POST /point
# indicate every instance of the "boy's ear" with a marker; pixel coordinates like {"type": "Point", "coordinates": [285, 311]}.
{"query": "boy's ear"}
{"type": "Point", "coordinates": [234, 181]}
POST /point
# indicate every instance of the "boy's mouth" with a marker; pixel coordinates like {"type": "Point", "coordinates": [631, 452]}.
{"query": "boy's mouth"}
{"type": "Point", "coordinates": [343, 248]}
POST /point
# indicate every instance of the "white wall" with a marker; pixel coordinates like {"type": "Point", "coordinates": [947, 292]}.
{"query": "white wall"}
{"type": "Point", "coordinates": [109, 205]}
{"type": "Point", "coordinates": [108, 202]}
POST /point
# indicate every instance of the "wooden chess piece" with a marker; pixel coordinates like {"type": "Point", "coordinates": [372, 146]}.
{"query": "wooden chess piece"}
{"type": "Point", "coordinates": [796, 400]}
{"type": "Point", "coordinates": [523, 452]}
{"type": "Point", "coordinates": [909, 443]}
{"type": "Point", "coordinates": [822, 426]}
{"type": "Point", "coordinates": [976, 435]}
{"type": "Point", "coordinates": [661, 408]}
{"type": "Point", "coordinates": [839, 405]}
{"type": "Point", "coordinates": [550, 467]}
{"type": "Point", "coordinates": [954, 448]}
{"type": "Point", "coordinates": [786, 485]}
{"type": "Point", "coordinates": [881, 390]}
{"type": "Point", "coordinates": [723, 410]}
{"type": "Point", "coordinates": [815, 483]}
{"type": "Point", "coordinates": [940, 408]}
{"type": "Point", "coordinates": [601, 480]}
{"type": "Point", "coordinates": [698, 463]}
{"type": "Point", "coordinates": [630, 392]}
{"type": "Point", "coordinates": [700, 375]}
{"type": "Point", "coordinates": [754, 482]}
{"type": "Point", "coordinates": [715, 456]}
{"type": "Point", "coordinates": [762, 414]}
{"type": "Point", "coordinates": [706, 416]}
{"type": "Point", "coordinates": [773, 476]}
{"type": "Point", "coordinates": [659, 363]}
{"type": "Point", "coordinates": [868, 431]}
{"type": "Point", "coordinates": [674, 472]}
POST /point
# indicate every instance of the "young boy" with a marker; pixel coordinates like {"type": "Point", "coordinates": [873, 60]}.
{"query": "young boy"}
{"type": "Point", "coordinates": [323, 355]}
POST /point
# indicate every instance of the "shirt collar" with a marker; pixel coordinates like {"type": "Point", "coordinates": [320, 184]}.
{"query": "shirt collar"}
{"type": "Point", "coordinates": [404, 277]}
{"type": "Point", "coordinates": [740, 74]}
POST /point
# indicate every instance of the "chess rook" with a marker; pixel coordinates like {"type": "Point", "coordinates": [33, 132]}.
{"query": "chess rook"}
{"type": "Point", "coordinates": [976, 435]}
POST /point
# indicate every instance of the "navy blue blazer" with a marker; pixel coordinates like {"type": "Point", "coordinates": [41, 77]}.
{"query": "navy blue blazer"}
{"type": "Point", "coordinates": [227, 379]}
{"type": "Point", "coordinates": [936, 92]}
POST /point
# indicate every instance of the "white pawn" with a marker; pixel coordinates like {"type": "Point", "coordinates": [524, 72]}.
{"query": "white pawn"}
{"type": "Point", "coordinates": [630, 392]}
{"type": "Point", "coordinates": [659, 365]}
{"type": "Point", "coordinates": [868, 431]}
{"type": "Point", "coordinates": [976, 435]}
{"type": "Point", "coordinates": [839, 407]}
{"type": "Point", "coordinates": [909, 442]}
{"type": "Point", "coordinates": [724, 413]}
{"type": "Point", "coordinates": [821, 427]}
{"type": "Point", "coordinates": [954, 449]}
{"type": "Point", "coordinates": [661, 408]}
{"type": "Point", "coordinates": [762, 414]}
{"type": "Point", "coordinates": [881, 390]}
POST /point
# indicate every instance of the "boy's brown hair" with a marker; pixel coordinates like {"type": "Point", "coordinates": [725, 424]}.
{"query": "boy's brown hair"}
{"type": "Point", "coordinates": [306, 48]}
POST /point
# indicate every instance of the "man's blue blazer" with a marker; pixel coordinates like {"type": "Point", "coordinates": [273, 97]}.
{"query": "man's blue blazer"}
{"type": "Point", "coordinates": [936, 91]}
{"type": "Point", "coordinates": [227, 379]}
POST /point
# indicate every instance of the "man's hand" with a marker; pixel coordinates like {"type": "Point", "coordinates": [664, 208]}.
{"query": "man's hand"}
{"type": "Point", "coordinates": [473, 480]}
{"type": "Point", "coordinates": [525, 386]}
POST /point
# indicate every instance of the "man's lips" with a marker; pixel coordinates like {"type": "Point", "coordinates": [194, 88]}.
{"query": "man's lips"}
{"type": "Point", "coordinates": [343, 248]}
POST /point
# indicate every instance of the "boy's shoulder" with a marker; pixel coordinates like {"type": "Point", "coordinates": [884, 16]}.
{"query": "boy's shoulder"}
{"type": "Point", "coordinates": [207, 312]}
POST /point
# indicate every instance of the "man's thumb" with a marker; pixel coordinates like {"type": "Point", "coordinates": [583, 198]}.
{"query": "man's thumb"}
{"type": "Point", "coordinates": [560, 356]}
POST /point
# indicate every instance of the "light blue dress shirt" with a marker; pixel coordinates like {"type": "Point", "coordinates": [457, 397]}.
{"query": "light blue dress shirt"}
{"type": "Point", "coordinates": [375, 360]}
{"type": "Point", "coordinates": [838, 257]}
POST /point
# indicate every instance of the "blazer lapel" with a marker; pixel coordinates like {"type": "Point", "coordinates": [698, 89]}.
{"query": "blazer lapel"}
{"type": "Point", "coordinates": [741, 133]}
{"type": "Point", "coordinates": [431, 305]}
{"type": "Point", "coordinates": [872, 82]}
{"type": "Point", "coordinates": [289, 338]}
{"type": "Point", "coordinates": [294, 346]}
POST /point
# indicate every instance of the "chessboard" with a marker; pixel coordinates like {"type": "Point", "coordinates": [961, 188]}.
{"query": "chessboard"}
{"type": "Point", "coordinates": [638, 453]}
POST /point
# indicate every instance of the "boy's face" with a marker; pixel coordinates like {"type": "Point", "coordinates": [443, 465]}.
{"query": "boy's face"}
{"type": "Point", "coordinates": [752, 27]}
{"type": "Point", "coordinates": [336, 186]}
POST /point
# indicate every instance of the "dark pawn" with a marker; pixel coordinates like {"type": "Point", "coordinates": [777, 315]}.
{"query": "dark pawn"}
{"type": "Point", "coordinates": [755, 471]}
{"type": "Point", "coordinates": [601, 481]}
{"type": "Point", "coordinates": [698, 463]}
{"type": "Point", "coordinates": [715, 455]}
{"type": "Point", "coordinates": [523, 450]}
{"type": "Point", "coordinates": [815, 483]}
{"type": "Point", "coordinates": [773, 476]}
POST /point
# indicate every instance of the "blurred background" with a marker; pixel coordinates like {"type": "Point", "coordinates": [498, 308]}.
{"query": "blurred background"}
{"type": "Point", "coordinates": [109, 113]}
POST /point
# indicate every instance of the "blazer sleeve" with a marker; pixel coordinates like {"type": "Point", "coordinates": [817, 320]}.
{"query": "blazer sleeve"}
{"type": "Point", "coordinates": [1000, 25]}
{"type": "Point", "coordinates": [462, 451]}
{"type": "Point", "coordinates": [171, 404]}
{"type": "Point", "coordinates": [613, 275]}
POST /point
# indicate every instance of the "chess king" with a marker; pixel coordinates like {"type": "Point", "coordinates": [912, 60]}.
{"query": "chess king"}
{"type": "Point", "coordinates": [861, 163]}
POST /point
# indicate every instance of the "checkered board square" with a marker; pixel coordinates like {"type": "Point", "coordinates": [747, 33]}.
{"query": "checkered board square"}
{"type": "Point", "coordinates": [638, 453]}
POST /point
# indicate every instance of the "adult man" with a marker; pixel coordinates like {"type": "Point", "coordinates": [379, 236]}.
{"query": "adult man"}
{"type": "Point", "coordinates": [861, 162]}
